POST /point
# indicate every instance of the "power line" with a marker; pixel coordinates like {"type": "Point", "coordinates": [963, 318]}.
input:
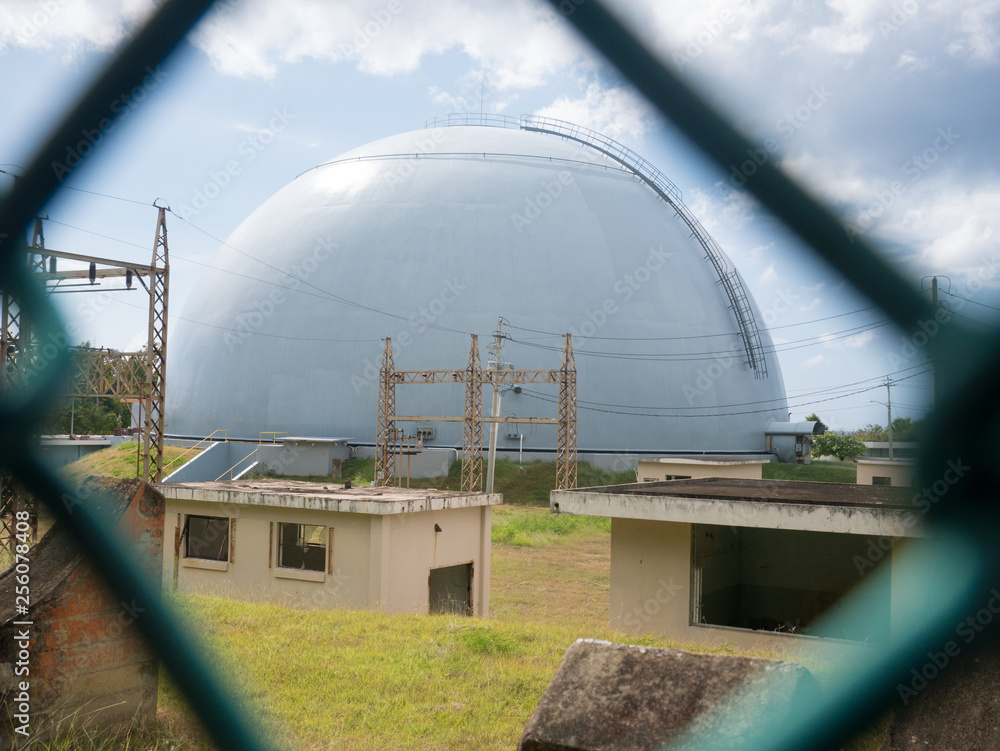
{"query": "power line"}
{"type": "Point", "coordinates": [713, 355]}
{"type": "Point", "coordinates": [702, 336]}
{"type": "Point", "coordinates": [966, 299]}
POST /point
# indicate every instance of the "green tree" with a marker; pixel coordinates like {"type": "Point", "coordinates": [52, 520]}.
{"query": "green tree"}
{"type": "Point", "coordinates": [872, 432]}
{"type": "Point", "coordinates": [906, 429]}
{"type": "Point", "coordinates": [89, 416]}
{"type": "Point", "coordinates": [820, 425]}
{"type": "Point", "coordinates": [841, 445]}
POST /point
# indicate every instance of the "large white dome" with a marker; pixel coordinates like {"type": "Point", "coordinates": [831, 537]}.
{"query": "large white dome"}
{"type": "Point", "coordinates": [427, 235]}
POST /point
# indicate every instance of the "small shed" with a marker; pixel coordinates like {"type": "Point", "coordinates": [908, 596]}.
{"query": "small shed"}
{"type": "Point", "coordinates": [696, 466]}
{"type": "Point", "coordinates": [744, 561]}
{"type": "Point", "coordinates": [896, 472]}
{"type": "Point", "coordinates": [325, 545]}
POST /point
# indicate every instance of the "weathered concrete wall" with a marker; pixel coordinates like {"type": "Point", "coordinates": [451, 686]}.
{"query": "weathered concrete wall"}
{"type": "Point", "coordinates": [377, 561]}
{"type": "Point", "coordinates": [609, 697]}
{"type": "Point", "coordinates": [900, 474]}
{"type": "Point", "coordinates": [658, 471]}
{"type": "Point", "coordinates": [86, 657]}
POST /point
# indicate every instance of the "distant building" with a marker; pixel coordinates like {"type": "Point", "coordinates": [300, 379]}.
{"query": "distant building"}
{"type": "Point", "coordinates": [695, 466]}
{"type": "Point", "coordinates": [900, 449]}
{"type": "Point", "coordinates": [751, 562]}
{"type": "Point", "coordinates": [895, 472]}
{"type": "Point", "coordinates": [325, 545]}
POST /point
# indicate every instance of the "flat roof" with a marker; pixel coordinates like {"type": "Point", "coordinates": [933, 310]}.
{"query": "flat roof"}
{"type": "Point", "coordinates": [773, 504]}
{"type": "Point", "coordinates": [885, 460]}
{"type": "Point", "coordinates": [365, 499]}
{"type": "Point", "coordinates": [310, 439]}
{"type": "Point", "coordinates": [711, 459]}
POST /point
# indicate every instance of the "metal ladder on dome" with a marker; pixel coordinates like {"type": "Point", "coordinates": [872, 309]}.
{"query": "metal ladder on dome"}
{"type": "Point", "coordinates": [739, 300]}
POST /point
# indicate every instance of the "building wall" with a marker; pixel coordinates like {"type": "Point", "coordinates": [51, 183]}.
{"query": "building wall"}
{"type": "Point", "coordinates": [652, 579]}
{"type": "Point", "coordinates": [88, 663]}
{"type": "Point", "coordinates": [658, 471]}
{"type": "Point", "coordinates": [377, 561]}
{"type": "Point", "coordinates": [900, 474]}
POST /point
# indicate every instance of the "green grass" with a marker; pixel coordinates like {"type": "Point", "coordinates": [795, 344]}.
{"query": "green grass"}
{"type": "Point", "coordinates": [817, 471]}
{"type": "Point", "coordinates": [120, 461]}
{"type": "Point", "coordinates": [538, 528]}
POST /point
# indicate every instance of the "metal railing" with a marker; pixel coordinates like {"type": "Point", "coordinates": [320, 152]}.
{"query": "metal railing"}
{"type": "Point", "coordinates": [729, 278]}
{"type": "Point", "coordinates": [206, 439]}
{"type": "Point", "coordinates": [946, 576]}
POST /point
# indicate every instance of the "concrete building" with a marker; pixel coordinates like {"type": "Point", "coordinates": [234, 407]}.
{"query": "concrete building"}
{"type": "Point", "coordinates": [313, 545]}
{"type": "Point", "coordinates": [896, 472]}
{"type": "Point", "coordinates": [745, 561]}
{"type": "Point", "coordinates": [696, 466]}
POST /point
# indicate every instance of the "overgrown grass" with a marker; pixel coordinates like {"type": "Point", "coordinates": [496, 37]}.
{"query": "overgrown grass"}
{"type": "Point", "coordinates": [817, 471]}
{"type": "Point", "coordinates": [120, 461]}
{"type": "Point", "coordinates": [538, 528]}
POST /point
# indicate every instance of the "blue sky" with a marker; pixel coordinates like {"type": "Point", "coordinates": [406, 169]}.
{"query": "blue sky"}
{"type": "Point", "coordinates": [886, 110]}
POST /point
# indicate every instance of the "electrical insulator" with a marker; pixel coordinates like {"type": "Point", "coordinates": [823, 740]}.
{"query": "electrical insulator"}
{"type": "Point", "coordinates": [93, 272]}
{"type": "Point", "coordinates": [128, 278]}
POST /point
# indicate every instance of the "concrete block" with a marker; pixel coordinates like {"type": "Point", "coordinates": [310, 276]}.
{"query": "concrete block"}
{"type": "Point", "coordinates": [606, 696]}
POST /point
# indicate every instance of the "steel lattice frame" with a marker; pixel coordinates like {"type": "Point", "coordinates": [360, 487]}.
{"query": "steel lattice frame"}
{"type": "Point", "coordinates": [566, 443]}
{"type": "Point", "coordinates": [385, 429]}
{"type": "Point", "coordinates": [472, 435]}
{"type": "Point", "coordinates": [474, 378]}
{"type": "Point", "coordinates": [156, 351]}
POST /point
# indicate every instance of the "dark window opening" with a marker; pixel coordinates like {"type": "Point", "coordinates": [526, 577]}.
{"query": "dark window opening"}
{"type": "Point", "coordinates": [678, 477]}
{"type": "Point", "coordinates": [302, 546]}
{"type": "Point", "coordinates": [451, 589]}
{"type": "Point", "coordinates": [207, 538]}
{"type": "Point", "coordinates": [782, 580]}
{"type": "Point", "coordinates": [881, 481]}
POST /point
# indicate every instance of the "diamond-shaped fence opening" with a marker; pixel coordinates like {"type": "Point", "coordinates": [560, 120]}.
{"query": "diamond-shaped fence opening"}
{"type": "Point", "coordinates": [944, 577]}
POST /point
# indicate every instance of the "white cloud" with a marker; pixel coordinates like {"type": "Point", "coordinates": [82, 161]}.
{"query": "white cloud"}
{"type": "Point", "coordinates": [815, 301]}
{"type": "Point", "coordinates": [617, 112]}
{"type": "Point", "coordinates": [73, 25]}
{"type": "Point", "coordinates": [980, 38]}
{"type": "Point", "coordinates": [813, 362]}
{"type": "Point", "coordinates": [519, 43]}
{"type": "Point", "coordinates": [769, 275]}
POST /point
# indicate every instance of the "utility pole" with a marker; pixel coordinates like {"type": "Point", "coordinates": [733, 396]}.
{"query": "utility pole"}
{"type": "Point", "coordinates": [888, 404]}
{"type": "Point", "coordinates": [494, 365]}
{"type": "Point", "coordinates": [935, 371]}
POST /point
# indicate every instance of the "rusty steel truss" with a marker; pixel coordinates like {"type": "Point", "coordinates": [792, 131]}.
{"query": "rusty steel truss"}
{"type": "Point", "coordinates": [475, 377]}
{"type": "Point", "coordinates": [139, 376]}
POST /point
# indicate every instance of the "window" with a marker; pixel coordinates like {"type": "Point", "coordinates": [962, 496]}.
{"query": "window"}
{"type": "Point", "coordinates": [302, 546]}
{"type": "Point", "coordinates": [678, 477]}
{"type": "Point", "coordinates": [650, 479]}
{"type": "Point", "coordinates": [207, 538]}
{"type": "Point", "coordinates": [881, 481]}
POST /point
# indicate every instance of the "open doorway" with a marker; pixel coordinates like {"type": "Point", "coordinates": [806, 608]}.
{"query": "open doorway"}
{"type": "Point", "coordinates": [451, 589]}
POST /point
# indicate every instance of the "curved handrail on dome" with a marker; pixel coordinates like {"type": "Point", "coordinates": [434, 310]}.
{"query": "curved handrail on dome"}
{"type": "Point", "coordinates": [474, 118]}
{"type": "Point", "coordinates": [739, 300]}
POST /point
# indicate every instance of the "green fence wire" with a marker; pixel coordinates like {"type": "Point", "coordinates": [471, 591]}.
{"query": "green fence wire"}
{"type": "Point", "coordinates": [939, 580]}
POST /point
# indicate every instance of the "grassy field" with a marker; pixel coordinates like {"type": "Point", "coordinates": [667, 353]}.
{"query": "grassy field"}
{"type": "Point", "coordinates": [120, 461]}
{"type": "Point", "coordinates": [322, 679]}
{"type": "Point", "coordinates": [326, 679]}
{"type": "Point", "coordinates": [817, 471]}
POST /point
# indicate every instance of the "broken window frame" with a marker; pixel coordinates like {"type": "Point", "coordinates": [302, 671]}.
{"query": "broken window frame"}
{"type": "Point", "coordinates": [223, 549]}
{"type": "Point", "coordinates": [302, 542]}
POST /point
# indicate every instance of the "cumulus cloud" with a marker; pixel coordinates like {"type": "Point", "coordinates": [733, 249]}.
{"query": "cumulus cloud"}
{"type": "Point", "coordinates": [618, 112]}
{"type": "Point", "coordinates": [813, 362]}
{"type": "Point", "coordinates": [73, 26]}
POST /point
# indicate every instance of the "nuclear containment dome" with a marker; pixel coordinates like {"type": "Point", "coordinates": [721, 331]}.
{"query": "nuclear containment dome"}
{"type": "Point", "coordinates": [429, 236]}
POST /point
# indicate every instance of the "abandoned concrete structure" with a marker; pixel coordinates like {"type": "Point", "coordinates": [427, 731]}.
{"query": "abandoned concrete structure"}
{"type": "Point", "coordinates": [743, 561]}
{"type": "Point", "coordinates": [87, 663]}
{"type": "Point", "coordinates": [327, 545]}
{"type": "Point", "coordinates": [896, 472]}
{"type": "Point", "coordinates": [696, 466]}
